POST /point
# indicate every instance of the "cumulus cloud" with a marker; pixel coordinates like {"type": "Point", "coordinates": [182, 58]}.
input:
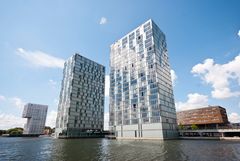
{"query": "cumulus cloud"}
{"type": "Point", "coordinates": [107, 85]}
{"type": "Point", "coordinates": [220, 76]}
{"type": "Point", "coordinates": [2, 98]}
{"type": "Point", "coordinates": [18, 102]}
{"type": "Point", "coordinates": [103, 21]}
{"type": "Point", "coordinates": [106, 121]}
{"type": "Point", "coordinates": [195, 100]}
{"type": "Point", "coordinates": [239, 33]}
{"type": "Point", "coordinates": [174, 77]}
{"type": "Point", "coordinates": [41, 59]}
{"type": "Point", "coordinates": [51, 118]}
{"type": "Point", "coordinates": [234, 117]}
{"type": "Point", "coordinates": [8, 121]}
{"type": "Point", "coordinates": [52, 82]}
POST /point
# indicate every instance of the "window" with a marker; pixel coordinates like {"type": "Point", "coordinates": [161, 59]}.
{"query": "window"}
{"type": "Point", "coordinates": [134, 105]}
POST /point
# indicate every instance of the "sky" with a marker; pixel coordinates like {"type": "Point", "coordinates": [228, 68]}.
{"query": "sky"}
{"type": "Point", "coordinates": [36, 37]}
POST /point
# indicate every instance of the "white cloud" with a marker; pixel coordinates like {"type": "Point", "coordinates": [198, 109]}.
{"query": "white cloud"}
{"type": "Point", "coordinates": [234, 117]}
{"type": "Point", "coordinates": [107, 85]}
{"type": "Point", "coordinates": [106, 121]}
{"type": "Point", "coordinates": [195, 100]}
{"type": "Point", "coordinates": [41, 59]}
{"type": "Point", "coordinates": [18, 102]}
{"type": "Point", "coordinates": [239, 33]}
{"type": "Point", "coordinates": [2, 98]}
{"type": "Point", "coordinates": [8, 121]}
{"type": "Point", "coordinates": [51, 118]}
{"type": "Point", "coordinates": [52, 82]}
{"type": "Point", "coordinates": [103, 21]}
{"type": "Point", "coordinates": [174, 77]}
{"type": "Point", "coordinates": [219, 76]}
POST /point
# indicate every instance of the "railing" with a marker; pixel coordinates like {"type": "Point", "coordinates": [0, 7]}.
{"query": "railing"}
{"type": "Point", "coordinates": [212, 128]}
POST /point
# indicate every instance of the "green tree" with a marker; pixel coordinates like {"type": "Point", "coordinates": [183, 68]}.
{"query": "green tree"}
{"type": "Point", "coordinates": [15, 131]}
{"type": "Point", "coordinates": [194, 127]}
{"type": "Point", "coordinates": [2, 132]}
{"type": "Point", "coordinates": [50, 129]}
{"type": "Point", "coordinates": [180, 126]}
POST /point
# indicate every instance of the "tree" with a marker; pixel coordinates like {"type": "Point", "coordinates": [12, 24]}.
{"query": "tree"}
{"type": "Point", "coordinates": [51, 130]}
{"type": "Point", "coordinates": [2, 132]}
{"type": "Point", "coordinates": [15, 131]}
{"type": "Point", "coordinates": [180, 126]}
{"type": "Point", "coordinates": [194, 127]}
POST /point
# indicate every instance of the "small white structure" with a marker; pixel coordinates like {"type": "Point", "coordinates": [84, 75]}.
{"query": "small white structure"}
{"type": "Point", "coordinates": [36, 117]}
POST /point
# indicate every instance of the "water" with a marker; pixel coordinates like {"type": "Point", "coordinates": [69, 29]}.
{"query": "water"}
{"type": "Point", "coordinates": [31, 149]}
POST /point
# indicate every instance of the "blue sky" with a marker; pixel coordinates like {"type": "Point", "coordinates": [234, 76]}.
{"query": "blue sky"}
{"type": "Point", "coordinates": [203, 40]}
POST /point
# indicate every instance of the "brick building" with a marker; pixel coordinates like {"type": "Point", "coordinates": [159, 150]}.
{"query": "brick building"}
{"type": "Point", "coordinates": [207, 117]}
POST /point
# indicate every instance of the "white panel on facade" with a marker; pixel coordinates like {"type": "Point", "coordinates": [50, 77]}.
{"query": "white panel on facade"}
{"type": "Point", "coordinates": [152, 134]}
{"type": "Point", "coordinates": [130, 127]}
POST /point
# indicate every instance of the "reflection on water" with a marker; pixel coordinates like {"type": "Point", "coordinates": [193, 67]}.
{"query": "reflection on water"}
{"type": "Point", "coordinates": [117, 150]}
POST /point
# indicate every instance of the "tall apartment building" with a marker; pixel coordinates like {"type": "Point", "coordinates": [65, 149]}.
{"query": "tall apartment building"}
{"type": "Point", "coordinates": [81, 103]}
{"type": "Point", "coordinates": [141, 94]}
{"type": "Point", "coordinates": [36, 117]}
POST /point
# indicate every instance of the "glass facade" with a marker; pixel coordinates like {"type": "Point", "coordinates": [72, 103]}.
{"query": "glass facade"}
{"type": "Point", "coordinates": [81, 104]}
{"type": "Point", "coordinates": [36, 117]}
{"type": "Point", "coordinates": [141, 94]}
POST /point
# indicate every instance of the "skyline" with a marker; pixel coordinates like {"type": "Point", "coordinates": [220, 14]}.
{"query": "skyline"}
{"type": "Point", "coordinates": [203, 47]}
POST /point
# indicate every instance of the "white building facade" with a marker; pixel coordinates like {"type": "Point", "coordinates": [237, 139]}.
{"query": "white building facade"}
{"type": "Point", "coordinates": [141, 95]}
{"type": "Point", "coordinates": [81, 103]}
{"type": "Point", "coordinates": [36, 117]}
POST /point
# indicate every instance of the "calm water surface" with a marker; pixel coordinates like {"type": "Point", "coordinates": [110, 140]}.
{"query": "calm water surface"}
{"type": "Point", "coordinates": [31, 149]}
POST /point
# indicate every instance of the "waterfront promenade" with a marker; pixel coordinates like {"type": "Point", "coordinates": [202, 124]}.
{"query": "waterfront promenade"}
{"type": "Point", "coordinates": [219, 133]}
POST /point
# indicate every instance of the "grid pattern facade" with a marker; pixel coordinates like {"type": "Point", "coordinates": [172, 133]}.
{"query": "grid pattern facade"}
{"type": "Point", "coordinates": [81, 103]}
{"type": "Point", "coordinates": [202, 116]}
{"type": "Point", "coordinates": [141, 95]}
{"type": "Point", "coordinates": [36, 117]}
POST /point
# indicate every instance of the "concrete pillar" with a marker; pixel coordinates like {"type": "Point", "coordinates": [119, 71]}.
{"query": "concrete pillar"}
{"type": "Point", "coordinates": [222, 134]}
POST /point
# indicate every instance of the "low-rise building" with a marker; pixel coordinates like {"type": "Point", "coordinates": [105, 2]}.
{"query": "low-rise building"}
{"type": "Point", "coordinates": [207, 117]}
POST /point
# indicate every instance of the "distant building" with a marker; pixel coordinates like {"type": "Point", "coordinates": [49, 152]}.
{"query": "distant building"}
{"type": "Point", "coordinates": [141, 92]}
{"type": "Point", "coordinates": [207, 117]}
{"type": "Point", "coordinates": [36, 117]}
{"type": "Point", "coordinates": [81, 103]}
